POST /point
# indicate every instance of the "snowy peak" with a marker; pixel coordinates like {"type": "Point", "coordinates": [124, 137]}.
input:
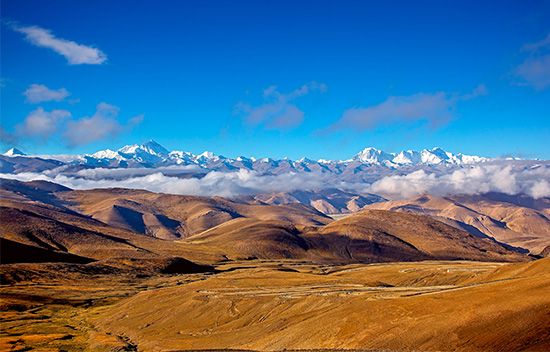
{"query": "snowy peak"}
{"type": "Point", "coordinates": [150, 152]}
{"type": "Point", "coordinates": [181, 158]}
{"type": "Point", "coordinates": [207, 157]}
{"type": "Point", "coordinates": [129, 149]}
{"type": "Point", "coordinates": [106, 154]}
{"type": "Point", "coordinates": [151, 148]}
{"type": "Point", "coordinates": [14, 152]}
{"type": "Point", "coordinates": [372, 155]}
{"type": "Point", "coordinates": [434, 156]}
{"type": "Point", "coordinates": [304, 160]}
{"type": "Point", "coordinates": [410, 157]}
{"type": "Point", "coordinates": [154, 148]}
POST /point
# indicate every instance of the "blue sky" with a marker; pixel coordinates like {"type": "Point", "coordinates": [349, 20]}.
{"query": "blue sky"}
{"type": "Point", "coordinates": [277, 78]}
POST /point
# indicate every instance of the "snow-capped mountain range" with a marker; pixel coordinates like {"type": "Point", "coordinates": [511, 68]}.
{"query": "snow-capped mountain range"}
{"type": "Point", "coordinates": [151, 166]}
{"type": "Point", "coordinates": [434, 156]}
{"type": "Point", "coordinates": [152, 154]}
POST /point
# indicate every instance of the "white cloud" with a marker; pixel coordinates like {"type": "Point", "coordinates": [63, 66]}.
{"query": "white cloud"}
{"type": "Point", "coordinates": [540, 189]}
{"type": "Point", "coordinates": [41, 123]}
{"type": "Point", "coordinates": [37, 93]}
{"type": "Point", "coordinates": [535, 71]}
{"type": "Point", "coordinates": [475, 180]}
{"type": "Point", "coordinates": [103, 124]}
{"type": "Point", "coordinates": [126, 173]}
{"type": "Point", "coordinates": [76, 54]}
{"type": "Point", "coordinates": [214, 183]}
{"type": "Point", "coordinates": [535, 68]}
{"type": "Point", "coordinates": [277, 111]}
{"type": "Point", "coordinates": [435, 108]}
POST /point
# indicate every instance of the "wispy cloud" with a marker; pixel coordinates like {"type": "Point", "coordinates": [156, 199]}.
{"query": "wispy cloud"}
{"type": "Point", "coordinates": [103, 124]}
{"type": "Point", "coordinates": [41, 123]}
{"type": "Point", "coordinates": [541, 45]}
{"type": "Point", "coordinates": [278, 110]}
{"type": "Point", "coordinates": [38, 93]}
{"type": "Point", "coordinates": [535, 68]}
{"type": "Point", "coordinates": [76, 54]}
{"type": "Point", "coordinates": [435, 108]}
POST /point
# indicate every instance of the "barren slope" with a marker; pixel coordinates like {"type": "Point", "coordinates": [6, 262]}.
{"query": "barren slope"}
{"type": "Point", "coordinates": [32, 214]}
{"type": "Point", "coordinates": [505, 221]}
{"type": "Point", "coordinates": [374, 235]}
{"type": "Point", "coordinates": [175, 216]}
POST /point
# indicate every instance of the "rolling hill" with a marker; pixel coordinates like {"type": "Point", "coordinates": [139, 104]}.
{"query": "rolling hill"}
{"type": "Point", "coordinates": [107, 223]}
{"type": "Point", "coordinates": [505, 218]}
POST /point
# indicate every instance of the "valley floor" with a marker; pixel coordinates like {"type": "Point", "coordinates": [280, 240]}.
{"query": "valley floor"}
{"type": "Point", "coordinates": [277, 305]}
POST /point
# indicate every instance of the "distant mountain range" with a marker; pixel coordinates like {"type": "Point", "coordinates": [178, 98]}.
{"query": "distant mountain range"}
{"type": "Point", "coordinates": [151, 166]}
{"type": "Point", "coordinates": [152, 154]}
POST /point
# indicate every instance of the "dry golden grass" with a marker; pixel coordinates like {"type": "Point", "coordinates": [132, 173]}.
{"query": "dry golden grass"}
{"type": "Point", "coordinates": [276, 305]}
{"type": "Point", "coordinates": [431, 306]}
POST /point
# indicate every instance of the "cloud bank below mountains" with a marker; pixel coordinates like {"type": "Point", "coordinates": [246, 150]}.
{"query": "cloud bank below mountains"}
{"type": "Point", "coordinates": [533, 181]}
{"type": "Point", "coordinates": [476, 180]}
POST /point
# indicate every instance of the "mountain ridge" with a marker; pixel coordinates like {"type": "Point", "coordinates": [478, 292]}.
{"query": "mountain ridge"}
{"type": "Point", "coordinates": [152, 153]}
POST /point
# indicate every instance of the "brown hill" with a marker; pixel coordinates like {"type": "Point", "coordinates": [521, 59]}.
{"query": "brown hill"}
{"type": "Point", "coordinates": [545, 252]}
{"type": "Point", "coordinates": [30, 228]}
{"type": "Point", "coordinates": [367, 236]}
{"type": "Point", "coordinates": [374, 235]}
{"type": "Point", "coordinates": [245, 238]}
{"type": "Point", "coordinates": [109, 223]}
{"type": "Point", "coordinates": [34, 214]}
{"type": "Point", "coordinates": [506, 222]}
{"type": "Point", "coordinates": [175, 216]}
